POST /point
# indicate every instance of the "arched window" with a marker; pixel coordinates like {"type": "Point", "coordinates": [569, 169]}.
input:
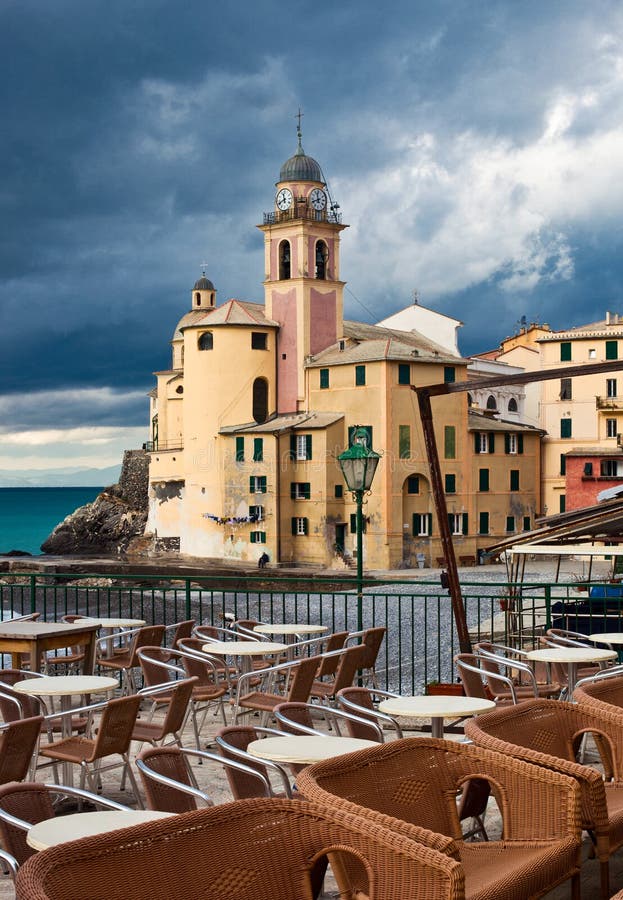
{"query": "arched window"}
{"type": "Point", "coordinates": [512, 405]}
{"type": "Point", "coordinates": [322, 257]}
{"type": "Point", "coordinates": [491, 404]}
{"type": "Point", "coordinates": [260, 400]}
{"type": "Point", "coordinates": [284, 260]}
{"type": "Point", "coordinates": [206, 341]}
{"type": "Point", "coordinates": [198, 298]}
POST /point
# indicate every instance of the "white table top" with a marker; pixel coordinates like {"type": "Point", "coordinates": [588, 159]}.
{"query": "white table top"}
{"type": "Point", "coordinates": [55, 831]}
{"type": "Point", "coordinates": [571, 654]}
{"type": "Point", "coordinates": [446, 707]}
{"type": "Point", "coordinates": [243, 648]}
{"type": "Point", "coordinates": [290, 628]}
{"type": "Point", "coordinates": [609, 637]}
{"type": "Point", "coordinates": [305, 749]}
{"type": "Point", "coordinates": [114, 622]}
{"type": "Point", "coordinates": [65, 685]}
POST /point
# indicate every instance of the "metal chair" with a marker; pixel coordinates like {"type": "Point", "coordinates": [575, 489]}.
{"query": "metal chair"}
{"type": "Point", "coordinates": [362, 702]}
{"type": "Point", "coordinates": [372, 639]}
{"type": "Point", "coordinates": [232, 742]}
{"type": "Point", "coordinates": [298, 679]}
{"type": "Point", "coordinates": [125, 663]}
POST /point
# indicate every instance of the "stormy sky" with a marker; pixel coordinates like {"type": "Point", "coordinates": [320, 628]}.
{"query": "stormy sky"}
{"type": "Point", "coordinates": [475, 149]}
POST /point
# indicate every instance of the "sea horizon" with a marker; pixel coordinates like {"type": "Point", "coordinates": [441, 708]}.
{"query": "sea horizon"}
{"type": "Point", "coordinates": [28, 515]}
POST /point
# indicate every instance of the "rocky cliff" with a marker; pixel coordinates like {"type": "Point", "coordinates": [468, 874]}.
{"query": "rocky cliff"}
{"type": "Point", "coordinates": [116, 516]}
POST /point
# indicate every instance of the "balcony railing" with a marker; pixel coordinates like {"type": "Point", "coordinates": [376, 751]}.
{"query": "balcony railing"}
{"type": "Point", "coordinates": [162, 446]}
{"type": "Point", "coordinates": [303, 212]}
{"type": "Point", "coordinates": [609, 403]}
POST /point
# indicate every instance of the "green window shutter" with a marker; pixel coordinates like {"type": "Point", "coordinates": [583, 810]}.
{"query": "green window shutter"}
{"type": "Point", "coordinates": [483, 479]}
{"type": "Point", "coordinates": [258, 449]}
{"type": "Point", "coordinates": [404, 441]}
{"type": "Point", "coordinates": [450, 485]}
{"type": "Point", "coordinates": [477, 443]}
{"type": "Point", "coordinates": [562, 503]}
{"type": "Point", "coordinates": [251, 484]}
{"type": "Point", "coordinates": [308, 446]}
{"type": "Point", "coordinates": [465, 523]}
{"type": "Point", "coordinates": [306, 490]}
{"type": "Point", "coordinates": [404, 373]}
{"type": "Point", "coordinates": [253, 537]}
{"type": "Point", "coordinates": [262, 484]}
{"type": "Point", "coordinates": [360, 375]}
{"type": "Point", "coordinates": [520, 443]}
{"type": "Point", "coordinates": [507, 443]}
{"type": "Point", "coordinates": [449, 441]}
{"type": "Point", "coordinates": [305, 526]}
{"type": "Point", "coordinates": [292, 446]}
{"type": "Point", "coordinates": [294, 528]}
{"type": "Point", "coordinates": [612, 349]}
{"type": "Point", "coordinates": [483, 523]}
{"type": "Point", "coordinates": [292, 490]}
{"type": "Point", "coordinates": [565, 428]}
{"type": "Point", "coordinates": [353, 524]}
{"type": "Point", "coordinates": [416, 524]}
{"type": "Point", "coordinates": [451, 522]}
{"type": "Point", "coordinates": [491, 443]}
{"type": "Point", "coordinates": [565, 351]}
{"type": "Point", "coordinates": [449, 374]}
{"type": "Point", "coordinates": [324, 378]}
{"type": "Point", "coordinates": [239, 449]}
{"type": "Point", "coordinates": [514, 479]}
{"type": "Point", "coordinates": [563, 464]}
{"type": "Point", "coordinates": [430, 523]}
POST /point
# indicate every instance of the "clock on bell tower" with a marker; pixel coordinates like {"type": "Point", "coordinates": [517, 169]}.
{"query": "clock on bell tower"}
{"type": "Point", "coordinates": [302, 288]}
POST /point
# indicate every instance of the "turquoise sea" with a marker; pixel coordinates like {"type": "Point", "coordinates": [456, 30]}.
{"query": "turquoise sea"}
{"type": "Point", "coordinates": [29, 515]}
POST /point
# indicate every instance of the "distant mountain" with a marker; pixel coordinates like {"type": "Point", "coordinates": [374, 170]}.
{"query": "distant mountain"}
{"type": "Point", "coordinates": [68, 477]}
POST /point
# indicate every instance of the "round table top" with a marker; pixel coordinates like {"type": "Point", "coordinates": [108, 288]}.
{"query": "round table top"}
{"type": "Point", "coordinates": [65, 685]}
{"type": "Point", "coordinates": [78, 825]}
{"type": "Point", "coordinates": [571, 654]}
{"type": "Point", "coordinates": [114, 622]}
{"type": "Point", "coordinates": [608, 637]}
{"type": "Point", "coordinates": [243, 648]}
{"type": "Point", "coordinates": [290, 628]}
{"type": "Point", "coordinates": [305, 749]}
{"type": "Point", "coordinates": [435, 706]}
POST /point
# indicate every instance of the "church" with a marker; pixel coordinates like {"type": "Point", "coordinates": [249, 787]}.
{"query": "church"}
{"type": "Point", "coordinates": [261, 398]}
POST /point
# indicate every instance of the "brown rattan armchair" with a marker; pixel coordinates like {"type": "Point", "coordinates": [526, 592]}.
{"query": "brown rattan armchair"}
{"type": "Point", "coordinates": [297, 679]}
{"type": "Point", "coordinates": [372, 639]}
{"type": "Point", "coordinates": [125, 663]}
{"type": "Point", "coordinates": [261, 849]}
{"type": "Point", "coordinates": [549, 734]}
{"type": "Point", "coordinates": [417, 781]}
{"type": "Point", "coordinates": [603, 691]}
{"type": "Point", "coordinates": [232, 742]}
{"type": "Point", "coordinates": [361, 701]}
{"type": "Point", "coordinates": [18, 744]}
{"type": "Point", "coordinates": [350, 659]}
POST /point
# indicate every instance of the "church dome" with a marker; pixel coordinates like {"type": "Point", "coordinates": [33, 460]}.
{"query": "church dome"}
{"type": "Point", "coordinates": [203, 284]}
{"type": "Point", "coordinates": [301, 167]}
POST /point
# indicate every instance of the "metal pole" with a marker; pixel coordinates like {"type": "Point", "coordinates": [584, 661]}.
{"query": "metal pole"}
{"type": "Point", "coordinates": [359, 528]}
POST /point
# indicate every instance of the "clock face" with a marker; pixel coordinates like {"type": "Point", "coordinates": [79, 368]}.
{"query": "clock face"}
{"type": "Point", "coordinates": [318, 199]}
{"type": "Point", "coordinates": [284, 199]}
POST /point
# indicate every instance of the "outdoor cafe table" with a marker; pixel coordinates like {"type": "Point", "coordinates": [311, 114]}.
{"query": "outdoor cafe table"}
{"type": "Point", "coordinates": [305, 749]}
{"type": "Point", "coordinates": [290, 629]}
{"type": "Point", "coordinates": [437, 708]}
{"type": "Point", "coordinates": [244, 649]}
{"type": "Point", "coordinates": [35, 638]}
{"type": "Point", "coordinates": [111, 624]}
{"type": "Point", "coordinates": [65, 687]}
{"type": "Point", "coordinates": [61, 829]}
{"type": "Point", "coordinates": [572, 656]}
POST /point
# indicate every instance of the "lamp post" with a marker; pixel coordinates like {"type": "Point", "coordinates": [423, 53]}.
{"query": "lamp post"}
{"type": "Point", "coordinates": [358, 465]}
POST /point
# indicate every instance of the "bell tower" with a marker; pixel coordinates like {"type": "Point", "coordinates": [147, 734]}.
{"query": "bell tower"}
{"type": "Point", "coordinates": [302, 288]}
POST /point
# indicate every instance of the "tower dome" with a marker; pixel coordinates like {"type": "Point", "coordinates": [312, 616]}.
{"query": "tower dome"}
{"type": "Point", "coordinates": [203, 284]}
{"type": "Point", "coordinates": [301, 167]}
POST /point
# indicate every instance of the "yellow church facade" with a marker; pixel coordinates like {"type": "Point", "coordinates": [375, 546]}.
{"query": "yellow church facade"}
{"type": "Point", "coordinates": [261, 398]}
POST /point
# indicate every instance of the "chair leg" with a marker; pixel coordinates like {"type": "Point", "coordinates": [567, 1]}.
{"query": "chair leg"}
{"type": "Point", "coordinates": [132, 779]}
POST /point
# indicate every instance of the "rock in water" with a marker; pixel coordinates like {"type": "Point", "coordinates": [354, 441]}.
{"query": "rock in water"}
{"type": "Point", "coordinates": [112, 520]}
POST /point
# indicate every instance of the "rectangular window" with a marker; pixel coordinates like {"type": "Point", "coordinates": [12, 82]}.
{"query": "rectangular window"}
{"type": "Point", "coordinates": [609, 468]}
{"type": "Point", "coordinates": [413, 484]}
{"type": "Point", "coordinates": [258, 537]}
{"type": "Point", "coordinates": [300, 490]}
{"type": "Point", "coordinates": [513, 443]}
{"type": "Point", "coordinates": [353, 524]}
{"type": "Point", "coordinates": [611, 387]}
{"type": "Point", "coordinates": [302, 447]}
{"type": "Point", "coordinates": [449, 442]}
{"type": "Point", "coordinates": [588, 470]}
{"type": "Point", "coordinates": [510, 524]}
{"type": "Point", "coordinates": [592, 354]}
{"type": "Point", "coordinates": [458, 523]}
{"type": "Point", "coordinates": [562, 503]}
{"type": "Point", "coordinates": [257, 484]}
{"type": "Point", "coordinates": [300, 525]}
{"type": "Point", "coordinates": [339, 491]}
{"type": "Point", "coordinates": [526, 523]}
{"type": "Point", "coordinates": [449, 374]}
{"type": "Point", "coordinates": [360, 375]}
{"type": "Point", "coordinates": [565, 353]}
{"type": "Point", "coordinates": [565, 428]}
{"type": "Point", "coordinates": [324, 378]}
{"type": "Point", "coordinates": [450, 484]}
{"type": "Point", "coordinates": [422, 524]}
{"type": "Point", "coordinates": [258, 449]}
{"type": "Point", "coordinates": [404, 441]}
{"type": "Point", "coordinates": [259, 340]}
{"type": "Point", "coordinates": [611, 428]}
{"type": "Point", "coordinates": [404, 373]}
{"type": "Point", "coordinates": [483, 523]}
{"type": "Point", "coordinates": [239, 449]}
{"type": "Point", "coordinates": [612, 349]}
{"type": "Point", "coordinates": [514, 479]}
{"type": "Point", "coordinates": [563, 463]}
{"type": "Point", "coordinates": [256, 513]}
{"type": "Point", "coordinates": [565, 389]}
{"type": "Point", "coordinates": [483, 479]}
{"type": "Point", "coordinates": [484, 442]}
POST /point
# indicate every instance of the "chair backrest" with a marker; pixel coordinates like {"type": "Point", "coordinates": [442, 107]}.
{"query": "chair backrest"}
{"type": "Point", "coordinates": [602, 693]}
{"type": "Point", "coordinates": [471, 676]}
{"type": "Point", "coordinates": [147, 636]}
{"type": "Point", "coordinates": [565, 638]}
{"type": "Point", "coordinates": [18, 741]}
{"type": "Point", "coordinates": [195, 667]}
{"type": "Point", "coordinates": [362, 697]}
{"type": "Point", "coordinates": [372, 639]}
{"type": "Point", "coordinates": [180, 693]}
{"type": "Point", "coordinates": [264, 848]}
{"type": "Point", "coordinates": [297, 713]}
{"type": "Point", "coordinates": [302, 679]}
{"type": "Point", "coordinates": [351, 660]}
{"type": "Point", "coordinates": [29, 705]}
{"type": "Point", "coordinates": [181, 630]}
{"type": "Point", "coordinates": [116, 726]}
{"type": "Point", "coordinates": [329, 664]}
{"type": "Point", "coordinates": [241, 784]}
{"type": "Point", "coordinates": [153, 662]}
{"type": "Point", "coordinates": [28, 801]}
{"type": "Point", "coordinates": [170, 762]}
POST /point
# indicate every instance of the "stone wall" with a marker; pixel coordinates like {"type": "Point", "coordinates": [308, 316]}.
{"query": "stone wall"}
{"type": "Point", "coordinates": [134, 479]}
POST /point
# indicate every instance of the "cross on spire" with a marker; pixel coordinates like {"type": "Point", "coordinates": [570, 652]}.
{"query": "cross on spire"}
{"type": "Point", "coordinates": [204, 266]}
{"type": "Point", "coordinates": [299, 133]}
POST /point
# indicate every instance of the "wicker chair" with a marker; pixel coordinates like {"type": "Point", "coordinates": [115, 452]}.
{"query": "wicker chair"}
{"type": "Point", "coordinates": [18, 743]}
{"type": "Point", "coordinates": [261, 849]}
{"type": "Point", "coordinates": [549, 734]}
{"type": "Point", "coordinates": [299, 677]}
{"type": "Point", "coordinates": [372, 640]}
{"type": "Point", "coordinates": [232, 742]}
{"type": "Point", "coordinates": [362, 702]}
{"type": "Point", "coordinates": [125, 663]}
{"type": "Point", "coordinates": [603, 692]}
{"type": "Point", "coordinates": [496, 660]}
{"type": "Point", "coordinates": [350, 660]}
{"type": "Point", "coordinates": [417, 780]}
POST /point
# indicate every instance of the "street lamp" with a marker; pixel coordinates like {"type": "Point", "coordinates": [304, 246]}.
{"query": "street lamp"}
{"type": "Point", "coordinates": [358, 465]}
